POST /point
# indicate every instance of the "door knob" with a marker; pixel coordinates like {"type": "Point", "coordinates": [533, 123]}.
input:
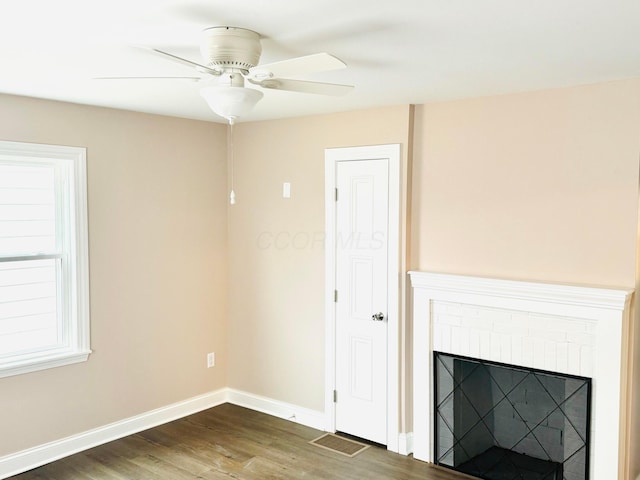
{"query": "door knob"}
{"type": "Point", "coordinates": [377, 317]}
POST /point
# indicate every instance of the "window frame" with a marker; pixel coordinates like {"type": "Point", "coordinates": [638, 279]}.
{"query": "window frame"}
{"type": "Point", "coordinates": [72, 232]}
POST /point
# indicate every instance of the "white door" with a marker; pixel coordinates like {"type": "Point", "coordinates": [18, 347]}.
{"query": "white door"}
{"type": "Point", "coordinates": [361, 238]}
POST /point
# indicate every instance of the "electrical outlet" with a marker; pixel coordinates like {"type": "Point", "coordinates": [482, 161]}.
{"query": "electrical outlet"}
{"type": "Point", "coordinates": [211, 360]}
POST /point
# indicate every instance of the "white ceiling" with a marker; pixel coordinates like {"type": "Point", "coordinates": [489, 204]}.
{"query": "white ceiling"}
{"type": "Point", "coordinates": [397, 52]}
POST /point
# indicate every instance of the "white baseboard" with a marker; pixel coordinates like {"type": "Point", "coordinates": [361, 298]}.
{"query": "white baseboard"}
{"type": "Point", "coordinates": [405, 443]}
{"type": "Point", "coordinates": [34, 457]}
{"type": "Point", "coordinates": [19, 462]}
{"type": "Point", "coordinates": [310, 418]}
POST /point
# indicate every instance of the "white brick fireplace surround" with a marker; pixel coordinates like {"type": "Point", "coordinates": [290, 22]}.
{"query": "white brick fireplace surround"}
{"type": "Point", "coordinates": [566, 329]}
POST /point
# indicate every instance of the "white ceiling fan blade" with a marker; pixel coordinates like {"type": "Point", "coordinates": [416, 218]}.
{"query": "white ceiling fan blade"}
{"type": "Point", "coordinates": [304, 86]}
{"type": "Point", "coordinates": [183, 61]}
{"type": "Point", "coordinates": [147, 78]}
{"type": "Point", "coordinates": [318, 62]}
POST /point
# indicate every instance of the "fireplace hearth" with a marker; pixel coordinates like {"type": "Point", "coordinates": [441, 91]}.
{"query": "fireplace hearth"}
{"type": "Point", "coordinates": [502, 422]}
{"type": "Point", "coordinates": [500, 464]}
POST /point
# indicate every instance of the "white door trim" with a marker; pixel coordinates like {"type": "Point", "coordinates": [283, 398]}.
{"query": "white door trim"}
{"type": "Point", "coordinates": [332, 156]}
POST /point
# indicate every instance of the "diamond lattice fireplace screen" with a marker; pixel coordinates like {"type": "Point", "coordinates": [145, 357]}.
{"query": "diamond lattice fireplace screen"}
{"type": "Point", "coordinates": [502, 422]}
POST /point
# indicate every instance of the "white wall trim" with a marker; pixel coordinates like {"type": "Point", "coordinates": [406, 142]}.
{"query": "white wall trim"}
{"type": "Point", "coordinates": [332, 156]}
{"type": "Point", "coordinates": [405, 443]}
{"type": "Point", "coordinates": [19, 462]}
{"type": "Point", "coordinates": [28, 459]}
{"type": "Point", "coordinates": [304, 416]}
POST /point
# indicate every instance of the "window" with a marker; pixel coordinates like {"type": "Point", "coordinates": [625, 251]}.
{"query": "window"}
{"type": "Point", "coordinates": [44, 294]}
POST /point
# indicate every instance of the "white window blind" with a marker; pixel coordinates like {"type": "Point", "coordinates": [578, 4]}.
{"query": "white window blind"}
{"type": "Point", "coordinates": [44, 314]}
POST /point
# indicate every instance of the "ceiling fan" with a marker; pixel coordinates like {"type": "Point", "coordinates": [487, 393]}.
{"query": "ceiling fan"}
{"type": "Point", "coordinates": [231, 57]}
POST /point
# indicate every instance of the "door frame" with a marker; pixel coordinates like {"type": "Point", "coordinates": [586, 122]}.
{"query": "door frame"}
{"type": "Point", "coordinates": [392, 153]}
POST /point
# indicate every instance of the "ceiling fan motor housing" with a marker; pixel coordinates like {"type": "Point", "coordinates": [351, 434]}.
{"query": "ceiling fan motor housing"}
{"type": "Point", "coordinates": [230, 47]}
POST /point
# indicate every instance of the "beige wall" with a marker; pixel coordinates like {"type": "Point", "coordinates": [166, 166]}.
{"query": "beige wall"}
{"type": "Point", "coordinates": [634, 373]}
{"type": "Point", "coordinates": [539, 186]}
{"type": "Point", "coordinates": [158, 269]}
{"type": "Point", "coordinates": [276, 323]}
{"type": "Point", "coordinates": [534, 186]}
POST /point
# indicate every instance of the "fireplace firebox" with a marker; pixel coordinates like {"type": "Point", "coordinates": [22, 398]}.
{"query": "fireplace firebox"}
{"type": "Point", "coordinates": [504, 422]}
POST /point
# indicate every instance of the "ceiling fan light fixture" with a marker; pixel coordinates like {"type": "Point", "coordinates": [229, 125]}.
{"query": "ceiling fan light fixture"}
{"type": "Point", "coordinates": [231, 102]}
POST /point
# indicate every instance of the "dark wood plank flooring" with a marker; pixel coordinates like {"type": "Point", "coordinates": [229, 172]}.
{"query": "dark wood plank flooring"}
{"type": "Point", "coordinates": [231, 442]}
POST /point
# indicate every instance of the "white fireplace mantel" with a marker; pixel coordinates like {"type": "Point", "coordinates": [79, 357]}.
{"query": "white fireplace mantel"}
{"type": "Point", "coordinates": [568, 329]}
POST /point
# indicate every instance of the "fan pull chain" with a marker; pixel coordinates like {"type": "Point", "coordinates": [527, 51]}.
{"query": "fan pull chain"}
{"type": "Point", "coordinates": [232, 194]}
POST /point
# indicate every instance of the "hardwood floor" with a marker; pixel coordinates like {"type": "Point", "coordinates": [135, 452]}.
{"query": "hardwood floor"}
{"type": "Point", "coordinates": [231, 442]}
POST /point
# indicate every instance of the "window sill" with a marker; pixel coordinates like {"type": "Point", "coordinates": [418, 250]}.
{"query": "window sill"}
{"type": "Point", "coordinates": [33, 364]}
